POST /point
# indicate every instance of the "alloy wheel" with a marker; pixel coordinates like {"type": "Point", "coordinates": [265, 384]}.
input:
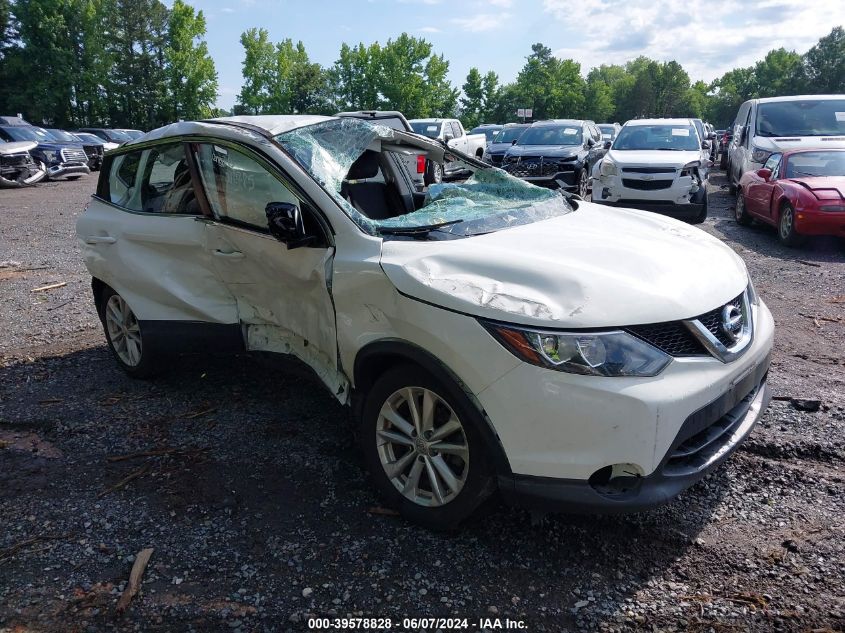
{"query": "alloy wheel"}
{"type": "Point", "coordinates": [437, 173]}
{"type": "Point", "coordinates": [739, 207]}
{"type": "Point", "coordinates": [123, 330]}
{"type": "Point", "coordinates": [786, 220]}
{"type": "Point", "coordinates": [582, 184]}
{"type": "Point", "coordinates": [422, 446]}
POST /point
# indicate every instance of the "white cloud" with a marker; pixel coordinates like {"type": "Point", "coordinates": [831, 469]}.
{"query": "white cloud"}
{"type": "Point", "coordinates": [504, 4]}
{"type": "Point", "coordinates": [428, 29]}
{"type": "Point", "coordinates": [707, 43]}
{"type": "Point", "coordinates": [227, 10]}
{"type": "Point", "coordinates": [481, 22]}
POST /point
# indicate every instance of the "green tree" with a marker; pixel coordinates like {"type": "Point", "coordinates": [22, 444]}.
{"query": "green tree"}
{"type": "Point", "coordinates": [490, 93]}
{"type": "Point", "coordinates": [824, 64]}
{"type": "Point", "coordinates": [551, 87]}
{"type": "Point", "coordinates": [778, 73]}
{"type": "Point", "coordinates": [258, 66]}
{"type": "Point", "coordinates": [355, 77]}
{"type": "Point", "coordinates": [190, 70]}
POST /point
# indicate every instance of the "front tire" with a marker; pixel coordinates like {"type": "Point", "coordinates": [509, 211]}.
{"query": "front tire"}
{"type": "Point", "coordinates": [124, 335]}
{"type": "Point", "coordinates": [787, 234]}
{"type": "Point", "coordinates": [741, 214]}
{"type": "Point", "coordinates": [583, 183]}
{"type": "Point", "coordinates": [423, 449]}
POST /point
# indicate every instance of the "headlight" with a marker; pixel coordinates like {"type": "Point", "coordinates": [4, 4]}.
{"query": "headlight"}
{"type": "Point", "coordinates": [608, 167]}
{"type": "Point", "coordinates": [689, 167]}
{"type": "Point", "coordinates": [588, 353]}
{"type": "Point", "coordinates": [759, 155]}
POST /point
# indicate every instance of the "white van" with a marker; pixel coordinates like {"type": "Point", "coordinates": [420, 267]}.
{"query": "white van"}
{"type": "Point", "coordinates": [490, 335]}
{"type": "Point", "coordinates": [777, 124]}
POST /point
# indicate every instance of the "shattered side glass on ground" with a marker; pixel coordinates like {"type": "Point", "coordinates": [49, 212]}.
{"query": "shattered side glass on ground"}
{"type": "Point", "coordinates": [488, 200]}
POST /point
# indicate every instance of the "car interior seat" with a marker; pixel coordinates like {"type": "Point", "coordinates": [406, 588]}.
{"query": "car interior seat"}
{"type": "Point", "coordinates": [376, 200]}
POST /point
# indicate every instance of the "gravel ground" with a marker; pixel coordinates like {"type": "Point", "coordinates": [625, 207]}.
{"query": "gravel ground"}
{"type": "Point", "coordinates": [259, 513]}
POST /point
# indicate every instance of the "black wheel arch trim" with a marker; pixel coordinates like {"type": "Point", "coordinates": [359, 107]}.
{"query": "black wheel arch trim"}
{"type": "Point", "coordinates": [398, 348]}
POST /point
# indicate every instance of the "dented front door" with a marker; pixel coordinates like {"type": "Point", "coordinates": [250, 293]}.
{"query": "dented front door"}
{"type": "Point", "coordinates": [282, 295]}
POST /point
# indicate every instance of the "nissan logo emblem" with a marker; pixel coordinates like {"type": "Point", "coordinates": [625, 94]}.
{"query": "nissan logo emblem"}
{"type": "Point", "coordinates": [731, 321]}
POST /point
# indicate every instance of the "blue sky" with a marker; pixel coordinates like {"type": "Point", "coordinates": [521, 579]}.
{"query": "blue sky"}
{"type": "Point", "coordinates": [498, 34]}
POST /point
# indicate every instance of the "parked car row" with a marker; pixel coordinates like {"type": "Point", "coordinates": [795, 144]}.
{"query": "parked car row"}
{"type": "Point", "coordinates": [52, 153]}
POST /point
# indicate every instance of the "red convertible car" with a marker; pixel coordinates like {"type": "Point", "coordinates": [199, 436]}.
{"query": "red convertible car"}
{"type": "Point", "coordinates": [801, 192]}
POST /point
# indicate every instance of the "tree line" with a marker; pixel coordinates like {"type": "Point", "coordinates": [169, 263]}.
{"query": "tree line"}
{"type": "Point", "coordinates": [136, 63]}
{"type": "Point", "coordinates": [121, 63]}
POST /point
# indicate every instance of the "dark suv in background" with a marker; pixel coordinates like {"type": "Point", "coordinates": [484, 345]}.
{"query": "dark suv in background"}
{"type": "Point", "coordinates": [559, 154]}
{"type": "Point", "coordinates": [502, 142]}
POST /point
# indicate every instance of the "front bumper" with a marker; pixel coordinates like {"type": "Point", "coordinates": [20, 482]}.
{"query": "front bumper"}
{"type": "Point", "coordinates": [561, 432]}
{"type": "Point", "coordinates": [679, 195]}
{"type": "Point", "coordinates": [633, 494]}
{"type": "Point", "coordinates": [820, 222]}
{"type": "Point", "coordinates": [66, 169]}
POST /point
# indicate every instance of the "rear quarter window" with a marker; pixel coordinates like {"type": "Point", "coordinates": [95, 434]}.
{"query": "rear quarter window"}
{"type": "Point", "coordinates": [123, 175]}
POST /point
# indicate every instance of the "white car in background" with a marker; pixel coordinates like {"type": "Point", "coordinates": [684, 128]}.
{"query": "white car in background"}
{"type": "Point", "coordinates": [656, 165]}
{"type": "Point", "coordinates": [488, 335]}
{"type": "Point", "coordinates": [778, 124]}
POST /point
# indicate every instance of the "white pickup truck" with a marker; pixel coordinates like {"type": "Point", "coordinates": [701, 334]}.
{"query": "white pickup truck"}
{"type": "Point", "coordinates": [453, 133]}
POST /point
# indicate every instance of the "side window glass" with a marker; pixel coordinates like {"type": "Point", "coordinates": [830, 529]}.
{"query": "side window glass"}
{"type": "Point", "coordinates": [122, 177]}
{"type": "Point", "coordinates": [456, 129]}
{"type": "Point", "coordinates": [166, 185]}
{"type": "Point", "coordinates": [238, 187]}
{"type": "Point", "coordinates": [773, 163]}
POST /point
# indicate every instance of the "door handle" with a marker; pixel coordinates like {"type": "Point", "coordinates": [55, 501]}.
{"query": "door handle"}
{"type": "Point", "coordinates": [229, 255]}
{"type": "Point", "coordinates": [100, 239]}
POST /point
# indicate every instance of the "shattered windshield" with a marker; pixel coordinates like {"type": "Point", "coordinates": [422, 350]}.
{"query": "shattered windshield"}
{"type": "Point", "coordinates": [354, 161]}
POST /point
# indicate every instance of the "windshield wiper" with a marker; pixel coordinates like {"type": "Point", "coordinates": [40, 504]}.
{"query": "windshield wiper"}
{"type": "Point", "coordinates": [416, 230]}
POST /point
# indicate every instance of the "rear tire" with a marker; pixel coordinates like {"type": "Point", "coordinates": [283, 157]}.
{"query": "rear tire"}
{"type": "Point", "coordinates": [135, 354]}
{"type": "Point", "coordinates": [422, 446]}
{"type": "Point", "coordinates": [786, 227]}
{"type": "Point", "coordinates": [740, 213]}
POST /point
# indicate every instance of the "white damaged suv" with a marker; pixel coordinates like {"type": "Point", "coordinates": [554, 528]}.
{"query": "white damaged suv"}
{"type": "Point", "coordinates": [656, 165]}
{"type": "Point", "coordinates": [490, 335]}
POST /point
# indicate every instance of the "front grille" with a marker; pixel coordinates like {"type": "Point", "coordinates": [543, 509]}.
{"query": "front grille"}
{"type": "Point", "coordinates": [16, 160]}
{"type": "Point", "coordinates": [73, 155]}
{"type": "Point", "coordinates": [713, 321]}
{"type": "Point", "coordinates": [646, 185]}
{"type": "Point", "coordinates": [538, 166]}
{"type": "Point", "coordinates": [695, 452]}
{"type": "Point", "coordinates": [496, 159]}
{"type": "Point", "coordinates": [675, 339]}
{"type": "Point", "coordinates": [649, 170]}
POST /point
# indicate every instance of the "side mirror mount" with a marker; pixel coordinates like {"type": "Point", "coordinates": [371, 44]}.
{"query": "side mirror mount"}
{"type": "Point", "coordinates": [764, 173]}
{"type": "Point", "coordinates": [607, 144]}
{"type": "Point", "coordinates": [513, 142]}
{"type": "Point", "coordinates": [448, 137]}
{"type": "Point", "coordinates": [705, 144]}
{"type": "Point", "coordinates": [590, 141]}
{"type": "Point", "coordinates": [285, 222]}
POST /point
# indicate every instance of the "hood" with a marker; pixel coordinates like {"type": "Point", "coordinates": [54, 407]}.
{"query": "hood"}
{"type": "Point", "coordinates": [654, 157]}
{"type": "Point", "coordinates": [557, 151]}
{"type": "Point", "coordinates": [52, 146]}
{"type": "Point", "coordinates": [498, 148]}
{"type": "Point", "coordinates": [785, 143]}
{"type": "Point", "coordinates": [824, 188]}
{"type": "Point", "coordinates": [595, 267]}
{"type": "Point", "coordinates": [17, 147]}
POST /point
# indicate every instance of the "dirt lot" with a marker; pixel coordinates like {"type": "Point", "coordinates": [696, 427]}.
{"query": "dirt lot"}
{"type": "Point", "coordinates": [243, 476]}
